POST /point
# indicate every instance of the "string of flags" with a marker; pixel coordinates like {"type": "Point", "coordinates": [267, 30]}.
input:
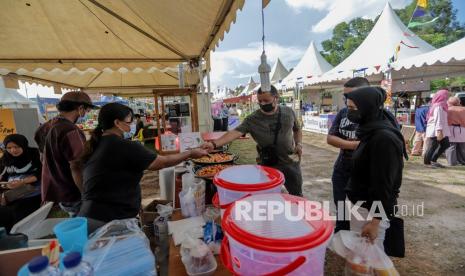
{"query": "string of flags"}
{"type": "Point", "coordinates": [421, 15]}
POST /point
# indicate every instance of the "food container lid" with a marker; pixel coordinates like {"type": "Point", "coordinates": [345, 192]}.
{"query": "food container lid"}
{"type": "Point", "coordinates": [276, 231]}
{"type": "Point", "coordinates": [249, 178]}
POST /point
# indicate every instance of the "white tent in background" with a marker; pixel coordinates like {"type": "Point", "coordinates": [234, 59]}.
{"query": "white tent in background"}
{"type": "Point", "coordinates": [448, 60]}
{"type": "Point", "coordinates": [379, 46]}
{"type": "Point", "coordinates": [249, 87]}
{"type": "Point", "coordinates": [278, 72]}
{"type": "Point", "coordinates": [311, 65]}
{"type": "Point", "coordinates": [10, 98]}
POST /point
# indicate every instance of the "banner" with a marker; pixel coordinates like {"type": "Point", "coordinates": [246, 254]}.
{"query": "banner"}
{"type": "Point", "coordinates": [7, 123]}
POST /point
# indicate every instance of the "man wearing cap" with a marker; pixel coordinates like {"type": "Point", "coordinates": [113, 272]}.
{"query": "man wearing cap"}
{"type": "Point", "coordinates": [63, 143]}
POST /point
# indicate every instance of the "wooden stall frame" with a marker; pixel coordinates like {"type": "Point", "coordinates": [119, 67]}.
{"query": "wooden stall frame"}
{"type": "Point", "coordinates": [176, 92]}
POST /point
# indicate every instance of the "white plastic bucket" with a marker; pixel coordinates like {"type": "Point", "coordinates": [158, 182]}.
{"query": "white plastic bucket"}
{"type": "Point", "coordinates": [274, 247]}
{"type": "Point", "coordinates": [239, 181]}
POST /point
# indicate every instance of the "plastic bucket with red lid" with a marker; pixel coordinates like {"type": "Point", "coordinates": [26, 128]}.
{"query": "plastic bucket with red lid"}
{"type": "Point", "coordinates": [239, 181]}
{"type": "Point", "coordinates": [278, 244]}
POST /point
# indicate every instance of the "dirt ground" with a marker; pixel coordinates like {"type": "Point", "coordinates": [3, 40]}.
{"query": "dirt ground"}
{"type": "Point", "coordinates": [435, 242]}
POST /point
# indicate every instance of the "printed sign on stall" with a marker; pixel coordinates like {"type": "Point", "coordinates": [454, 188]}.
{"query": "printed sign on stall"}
{"type": "Point", "coordinates": [7, 123]}
{"type": "Point", "coordinates": [169, 142]}
{"type": "Point", "coordinates": [189, 140]}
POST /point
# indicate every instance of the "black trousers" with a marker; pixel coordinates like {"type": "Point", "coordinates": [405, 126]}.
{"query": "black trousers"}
{"type": "Point", "coordinates": [341, 175]}
{"type": "Point", "coordinates": [217, 124]}
{"type": "Point", "coordinates": [17, 210]}
{"type": "Point", "coordinates": [436, 150]}
{"type": "Point", "coordinates": [225, 124]}
{"type": "Point", "coordinates": [293, 177]}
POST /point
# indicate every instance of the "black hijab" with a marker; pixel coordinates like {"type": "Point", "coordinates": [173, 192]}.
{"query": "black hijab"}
{"type": "Point", "coordinates": [370, 101]}
{"type": "Point", "coordinates": [20, 161]}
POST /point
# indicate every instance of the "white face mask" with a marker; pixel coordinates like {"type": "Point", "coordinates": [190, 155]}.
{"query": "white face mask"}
{"type": "Point", "coordinates": [129, 134]}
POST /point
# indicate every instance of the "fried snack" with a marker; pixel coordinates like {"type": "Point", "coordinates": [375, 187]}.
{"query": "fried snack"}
{"type": "Point", "coordinates": [210, 171]}
{"type": "Point", "coordinates": [215, 158]}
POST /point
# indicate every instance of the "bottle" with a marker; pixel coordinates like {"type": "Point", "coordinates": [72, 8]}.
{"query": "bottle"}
{"type": "Point", "coordinates": [75, 266]}
{"type": "Point", "coordinates": [12, 241]}
{"type": "Point", "coordinates": [39, 266]}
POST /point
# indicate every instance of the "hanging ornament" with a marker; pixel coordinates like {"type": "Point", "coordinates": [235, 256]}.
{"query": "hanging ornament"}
{"type": "Point", "coordinates": [264, 69]}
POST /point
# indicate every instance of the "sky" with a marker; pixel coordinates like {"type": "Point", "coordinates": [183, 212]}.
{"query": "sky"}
{"type": "Point", "coordinates": [290, 26]}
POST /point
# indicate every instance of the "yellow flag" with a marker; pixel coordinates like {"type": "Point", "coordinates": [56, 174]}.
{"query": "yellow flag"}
{"type": "Point", "coordinates": [422, 3]}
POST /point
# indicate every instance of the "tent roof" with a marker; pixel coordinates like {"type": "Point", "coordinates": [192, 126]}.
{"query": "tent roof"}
{"type": "Point", "coordinates": [452, 53]}
{"type": "Point", "coordinates": [10, 96]}
{"type": "Point", "coordinates": [278, 72]}
{"type": "Point", "coordinates": [378, 47]}
{"type": "Point", "coordinates": [74, 41]}
{"type": "Point", "coordinates": [311, 64]}
{"type": "Point", "coordinates": [251, 84]}
{"type": "Point", "coordinates": [446, 61]}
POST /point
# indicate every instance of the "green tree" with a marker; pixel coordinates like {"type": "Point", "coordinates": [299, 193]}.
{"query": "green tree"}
{"type": "Point", "coordinates": [348, 36]}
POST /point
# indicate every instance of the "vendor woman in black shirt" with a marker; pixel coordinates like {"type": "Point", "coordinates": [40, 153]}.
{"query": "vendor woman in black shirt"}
{"type": "Point", "coordinates": [113, 167]}
{"type": "Point", "coordinates": [377, 163]}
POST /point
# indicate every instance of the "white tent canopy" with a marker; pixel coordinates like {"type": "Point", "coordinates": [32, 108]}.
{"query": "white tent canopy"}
{"type": "Point", "coordinates": [379, 46]}
{"type": "Point", "coordinates": [10, 98]}
{"type": "Point", "coordinates": [251, 84]}
{"type": "Point", "coordinates": [311, 65]}
{"type": "Point", "coordinates": [278, 72]}
{"type": "Point", "coordinates": [448, 60]}
{"type": "Point", "coordinates": [110, 43]}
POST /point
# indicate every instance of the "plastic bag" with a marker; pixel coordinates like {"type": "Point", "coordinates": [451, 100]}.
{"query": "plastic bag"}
{"type": "Point", "coordinates": [212, 233]}
{"type": "Point", "coordinates": [120, 248]}
{"type": "Point", "coordinates": [368, 259]}
{"type": "Point", "coordinates": [192, 198]}
{"type": "Point", "coordinates": [197, 257]}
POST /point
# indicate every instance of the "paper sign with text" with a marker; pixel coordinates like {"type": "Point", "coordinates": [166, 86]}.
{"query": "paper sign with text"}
{"type": "Point", "coordinates": [7, 123]}
{"type": "Point", "coordinates": [189, 140]}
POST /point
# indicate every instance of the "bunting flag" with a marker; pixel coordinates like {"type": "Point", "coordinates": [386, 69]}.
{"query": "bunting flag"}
{"type": "Point", "coordinates": [377, 67]}
{"type": "Point", "coordinates": [421, 11]}
{"type": "Point", "coordinates": [411, 47]}
{"type": "Point", "coordinates": [265, 3]}
{"type": "Point", "coordinates": [309, 77]}
{"type": "Point", "coordinates": [422, 3]}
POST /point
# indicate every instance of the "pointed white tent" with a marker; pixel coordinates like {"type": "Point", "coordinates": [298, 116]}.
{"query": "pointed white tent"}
{"type": "Point", "coordinates": [10, 98]}
{"type": "Point", "coordinates": [373, 54]}
{"type": "Point", "coordinates": [311, 65]}
{"type": "Point", "coordinates": [249, 87]}
{"type": "Point", "coordinates": [278, 72]}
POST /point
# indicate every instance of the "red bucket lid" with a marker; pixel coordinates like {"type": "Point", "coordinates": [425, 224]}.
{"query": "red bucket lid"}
{"type": "Point", "coordinates": [279, 234]}
{"type": "Point", "coordinates": [249, 178]}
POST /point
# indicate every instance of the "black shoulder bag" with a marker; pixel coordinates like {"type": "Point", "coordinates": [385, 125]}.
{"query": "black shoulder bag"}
{"type": "Point", "coordinates": [268, 154]}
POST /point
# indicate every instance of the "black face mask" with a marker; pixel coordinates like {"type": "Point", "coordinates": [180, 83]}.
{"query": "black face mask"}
{"type": "Point", "coordinates": [354, 116]}
{"type": "Point", "coordinates": [267, 107]}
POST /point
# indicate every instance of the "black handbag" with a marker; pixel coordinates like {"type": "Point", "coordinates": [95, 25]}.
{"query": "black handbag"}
{"type": "Point", "coordinates": [268, 154]}
{"type": "Point", "coordinates": [394, 241]}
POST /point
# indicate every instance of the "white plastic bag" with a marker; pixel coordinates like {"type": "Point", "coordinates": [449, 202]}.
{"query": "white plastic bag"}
{"type": "Point", "coordinates": [120, 248]}
{"type": "Point", "coordinates": [362, 257]}
{"type": "Point", "coordinates": [192, 198]}
{"type": "Point", "coordinates": [197, 257]}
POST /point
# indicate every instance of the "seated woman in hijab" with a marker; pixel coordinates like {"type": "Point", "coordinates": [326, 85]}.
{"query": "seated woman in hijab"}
{"type": "Point", "coordinates": [20, 172]}
{"type": "Point", "coordinates": [377, 163]}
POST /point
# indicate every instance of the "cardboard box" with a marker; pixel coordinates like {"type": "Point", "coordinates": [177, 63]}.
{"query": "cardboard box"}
{"type": "Point", "coordinates": [12, 260]}
{"type": "Point", "coordinates": [149, 213]}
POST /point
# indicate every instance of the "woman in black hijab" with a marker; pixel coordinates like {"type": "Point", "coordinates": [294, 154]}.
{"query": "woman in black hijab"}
{"type": "Point", "coordinates": [20, 172]}
{"type": "Point", "coordinates": [377, 163]}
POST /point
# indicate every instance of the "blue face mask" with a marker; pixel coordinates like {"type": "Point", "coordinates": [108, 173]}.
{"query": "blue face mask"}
{"type": "Point", "coordinates": [129, 134]}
